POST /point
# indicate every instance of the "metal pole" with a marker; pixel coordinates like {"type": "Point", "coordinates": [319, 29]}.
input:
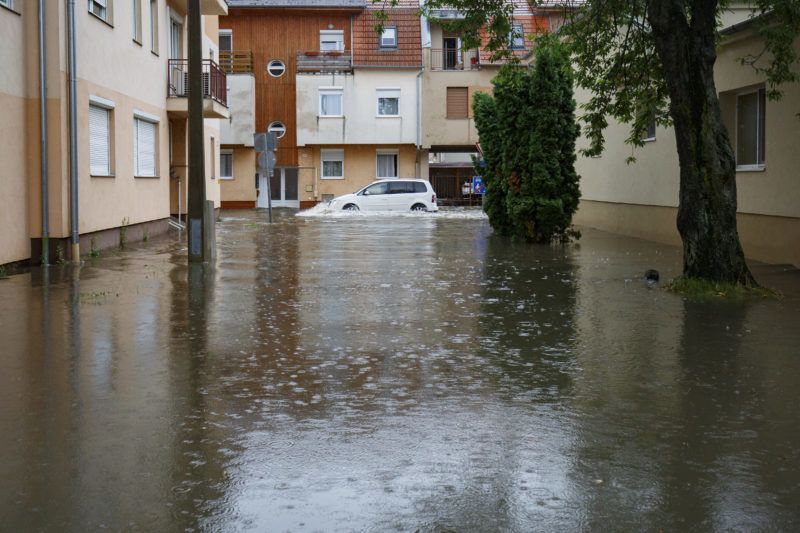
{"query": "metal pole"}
{"type": "Point", "coordinates": [196, 182]}
{"type": "Point", "coordinates": [43, 133]}
{"type": "Point", "coordinates": [73, 135]}
{"type": "Point", "coordinates": [270, 173]}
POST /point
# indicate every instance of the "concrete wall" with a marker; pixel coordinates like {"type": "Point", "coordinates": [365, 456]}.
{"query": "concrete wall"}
{"type": "Point", "coordinates": [359, 169]}
{"type": "Point", "coordinates": [360, 124]}
{"type": "Point", "coordinates": [641, 199]}
{"type": "Point", "coordinates": [241, 126]}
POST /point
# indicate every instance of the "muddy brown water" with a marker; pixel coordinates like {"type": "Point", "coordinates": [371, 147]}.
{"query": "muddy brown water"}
{"type": "Point", "coordinates": [394, 374]}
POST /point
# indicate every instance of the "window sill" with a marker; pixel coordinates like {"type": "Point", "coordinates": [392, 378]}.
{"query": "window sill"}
{"type": "Point", "coordinates": [146, 177]}
{"type": "Point", "coordinates": [137, 41]}
{"type": "Point", "coordinates": [101, 19]}
{"type": "Point", "coordinates": [102, 176]}
{"type": "Point", "coordinates": [332, 177]}
{"type": "Point", "coordinates": [649, 140]}
{"type": "Point", "coordinates": [751, 168]}
{"type": "Point", "coordinates": [13, 10]}
{"type": "Point", "coordinates": [226, 178]}
{"type": "Point", "coordinates": [387, 116]}
{"type": "Point", "coordinates": [330, 116]}
{"type": "Point", "coordinates": [154, 53]}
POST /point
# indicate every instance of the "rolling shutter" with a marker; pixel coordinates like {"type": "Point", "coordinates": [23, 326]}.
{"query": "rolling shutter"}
{"type": "Point", "coordinates": [99, 157]}
{"type": "Point", "coordinates": [457, 102]}
{"type": "Point", "coordinates": [145, 153]}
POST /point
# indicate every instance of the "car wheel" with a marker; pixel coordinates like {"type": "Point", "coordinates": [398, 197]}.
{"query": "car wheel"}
{"type": "Point", "coordinates": [419, 208]}
{"type": "Point", "coordinates": [350, 207]}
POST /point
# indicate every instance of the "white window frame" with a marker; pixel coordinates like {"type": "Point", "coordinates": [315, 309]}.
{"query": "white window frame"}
{"type": "Point", "coordinates": [396, 154]}
{"type": "Point", "coordinates": [328, 36]}
{"type": "Point", "coordinates": [136, 27]}
{"type": "Point", "coordinates": [388, 43]}
{"type": "Point", "coordinates": [139, 117]}
{"type": "Point", "coordinates": [154, 26]}
{"type": "Point", "coordinates": [515, 35]}
{"type": "Point", "coordinates": [331, 155]}
{"type": "Point", "coordinates": [276, 123]}
{"type": "Point", "coordinates": [332, 91]}
{"type": "Point", "coordinates": [227, 33]}
{"type": "Point", "coordinates": [275, 62]}
{"type": "Point", "coordinates": [386, 92]}
{"type": "Point", "coordinates": [224, 154]}
{"type": "Point", "coordinates": [7, 3]}
{"type": "Point", "coordinates": [104, 9]}
{"type": "Point", "coordinates": [646, 137]}
{"type": "Point", "coordinates": [760, 115]}
{"type": "Point", "coordinates": [108, 107]}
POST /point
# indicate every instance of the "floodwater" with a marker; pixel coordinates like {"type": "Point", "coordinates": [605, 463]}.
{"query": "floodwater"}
{"type": "Point", "coordinates": [394, 374]}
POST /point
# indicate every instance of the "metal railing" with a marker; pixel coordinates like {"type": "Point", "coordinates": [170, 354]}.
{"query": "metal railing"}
{"type": "Point", "coordinates": [324, 61]}
{"type": "Point", "coordinates": [215, 84]}
{"type": "Point", "coordinates": [454, 59]}
{"type": "Point", "coordinates": [236, 61]}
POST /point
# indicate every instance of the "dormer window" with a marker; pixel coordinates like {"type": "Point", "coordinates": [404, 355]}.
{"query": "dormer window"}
{"type": "Point", "coordinates": [389, 37]}
{"type": "Point", "coordinates": [516, 37]}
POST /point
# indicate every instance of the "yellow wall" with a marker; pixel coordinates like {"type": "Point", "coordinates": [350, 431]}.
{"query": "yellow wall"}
{"type": "Point", "coordinates": [360, 168]}
{"type": "Point", "coordinates": [242, 188]}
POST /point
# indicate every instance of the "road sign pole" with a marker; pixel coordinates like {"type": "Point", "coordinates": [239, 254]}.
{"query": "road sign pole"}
{"type": "Point", "coordinates": [269, 193]}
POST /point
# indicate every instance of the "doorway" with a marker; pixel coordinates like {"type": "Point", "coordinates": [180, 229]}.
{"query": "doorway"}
{"type": "Point", "coordinates": [283, 188]}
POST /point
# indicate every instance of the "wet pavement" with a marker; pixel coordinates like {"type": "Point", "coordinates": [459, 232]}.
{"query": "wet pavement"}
{"type": "Point", "coordinates": [394, 374]}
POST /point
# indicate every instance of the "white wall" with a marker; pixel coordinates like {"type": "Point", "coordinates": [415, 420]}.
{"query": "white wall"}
{"type": "Point", "coordinates": [239, 129]}
{"type": "Point", "coordinates": [360, 124]}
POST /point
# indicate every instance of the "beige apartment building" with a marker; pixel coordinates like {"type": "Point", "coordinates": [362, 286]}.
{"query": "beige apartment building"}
{"type": "Point", "coordinates": [131, 110]}
{"type": "Point", "coordinates": [641, 199]}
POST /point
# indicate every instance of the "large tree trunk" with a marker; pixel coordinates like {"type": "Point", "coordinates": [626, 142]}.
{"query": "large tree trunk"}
{"type": "Point", "coordinates": [707, 205]}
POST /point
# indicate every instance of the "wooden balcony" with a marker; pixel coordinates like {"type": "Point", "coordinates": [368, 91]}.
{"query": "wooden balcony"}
{"type": "Point", "coordinates": [214, 84]}
{"type": "Point", "coordinates": [236, 61]}
{"type": "Point", "coordinates": [327, 61]}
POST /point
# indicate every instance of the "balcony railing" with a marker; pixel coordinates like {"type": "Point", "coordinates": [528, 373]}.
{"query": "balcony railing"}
{"type": "Point", "coordinates": [236, 61]}
{"type": "Point", "coordinates": [325, 61]}
{"type": "Point", "coordinates": [454, 59]}
{"type": "Point", "coordinates": [215, 85]}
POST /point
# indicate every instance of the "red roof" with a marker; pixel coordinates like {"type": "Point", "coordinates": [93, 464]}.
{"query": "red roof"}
{"type": "Point", "coordinates": [367, 51]}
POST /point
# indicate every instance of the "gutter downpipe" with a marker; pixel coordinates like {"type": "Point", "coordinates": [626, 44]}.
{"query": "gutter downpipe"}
{"type": "Point", "coordinates": [419, 122]}
{"type": "Point", "coordinates": [43, 133]}
{"type": "Point", "coordinates": [73, 135]}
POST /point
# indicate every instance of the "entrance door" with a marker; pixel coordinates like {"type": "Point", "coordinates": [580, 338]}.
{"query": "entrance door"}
{"type": "Point", "coordinates": [284, 188]}
{"type": "Point", "coordinates": [261, 200]}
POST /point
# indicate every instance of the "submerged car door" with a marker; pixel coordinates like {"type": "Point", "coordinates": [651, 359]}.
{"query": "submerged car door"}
{"type": "Point", "coordinates": [375, 197]}
{"type": "Point", "coordinates": [400, 195]}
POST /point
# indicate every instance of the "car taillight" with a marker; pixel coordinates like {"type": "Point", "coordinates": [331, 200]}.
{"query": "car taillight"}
{"type": "Point", "coordinates": [433, 198]}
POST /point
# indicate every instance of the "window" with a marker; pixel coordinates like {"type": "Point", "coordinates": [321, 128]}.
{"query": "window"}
{"type": "Point", "coordinates": [330, 102]}
{"type": "Point", "coordinates": [332, 164]}
{"type": "Point", "coordinates": [225, 40]}
{"type": "Point", "coordinates": [388, 102]}
{"type": "Point", "coordinates": [99, 8]}
{"type": "Point", "coordinates": [99, 140]}
{"type": "Point", "coordinates": [750, 129]}
{"type": "Point", "coordinates": [7, 3]}
{"type": "Point", "coordinates": [516, 37]}
{"type": "Point", "coordinates": [154, 26]}
{"type": "Point", "coordinates": [144, 153]}
{"type": "Point", "coordinates": [389, 37]}
{"type": "Point", "coordinates": [387, 165]}
{"type": "Point", "coordinates": [225, 165]}
{"type": "Point", "coordinates": [649, 133]}
{"type": "Point", "coordinates": [331, 40]}
{"type": "Point", "coordinates": [401, 187]}
{"type": "Point", "coordinates": [278, 128]}
{"type": "Point", "coordinates": [175, 39]}
{"type": "Point", "coordinates": [276, 68]}
{"type": "Point", "coordinates": [457, 102]}
{"type": "Point", "coordinates": [378, 188]}
{"type": "Point", "coordinates": [136, 25]}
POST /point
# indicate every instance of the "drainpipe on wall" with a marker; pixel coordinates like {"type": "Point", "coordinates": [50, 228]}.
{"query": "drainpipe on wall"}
{"type": "Point", "coordinates": [43, 133]}
{"type": "Point", "coordinates": [73, 135]}
{"type": "Point", "coordinates": [419, 122]}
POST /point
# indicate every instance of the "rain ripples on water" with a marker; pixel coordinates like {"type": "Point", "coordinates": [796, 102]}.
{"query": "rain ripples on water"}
{"type": "Point", "coordinates": [340, 372]}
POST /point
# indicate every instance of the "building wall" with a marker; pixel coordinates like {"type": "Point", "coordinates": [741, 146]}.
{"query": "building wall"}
{"type": "Point", "coordinates": [360, 124]}
{"type": "Point", "coordinates": [641, 199]}
{"type": "Point", "coordinates": [242, 188]}
{"type": "Point", "coordinates": [360, 169]}
{"type": "Point", "coordinates": [242, 107]}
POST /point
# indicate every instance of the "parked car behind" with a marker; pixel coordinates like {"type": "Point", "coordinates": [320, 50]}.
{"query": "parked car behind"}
{"type": "Point", "coordinates": [389, 195]}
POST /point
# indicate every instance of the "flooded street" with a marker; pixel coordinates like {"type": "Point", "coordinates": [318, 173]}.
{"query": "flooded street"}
{"type": "Point", "coordinates": [408, 373]}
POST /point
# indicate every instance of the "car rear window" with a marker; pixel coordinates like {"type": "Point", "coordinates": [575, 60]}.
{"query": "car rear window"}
{"type": "Point", "coordinates": [420, 187]}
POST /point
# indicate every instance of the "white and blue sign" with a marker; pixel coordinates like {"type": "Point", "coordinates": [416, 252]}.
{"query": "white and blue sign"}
{"type": "Point", "coordinates": [477, 185]}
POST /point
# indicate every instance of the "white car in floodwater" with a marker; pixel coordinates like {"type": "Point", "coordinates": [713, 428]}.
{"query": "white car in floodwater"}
{"type": "Point", "coordinates": [389, 195]}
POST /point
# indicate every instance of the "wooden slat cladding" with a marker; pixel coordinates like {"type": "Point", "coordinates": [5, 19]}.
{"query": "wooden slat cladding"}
{"type": "Point", "coordinates": [367, 50]}
{"type": "Point", "coordinates": [457, 102]}
{"type": "Point", "coordinates": [280, 34]}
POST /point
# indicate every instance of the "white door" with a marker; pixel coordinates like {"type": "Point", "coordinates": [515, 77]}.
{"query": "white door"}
{"type": "Point", "coordinates": [284, 188]}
